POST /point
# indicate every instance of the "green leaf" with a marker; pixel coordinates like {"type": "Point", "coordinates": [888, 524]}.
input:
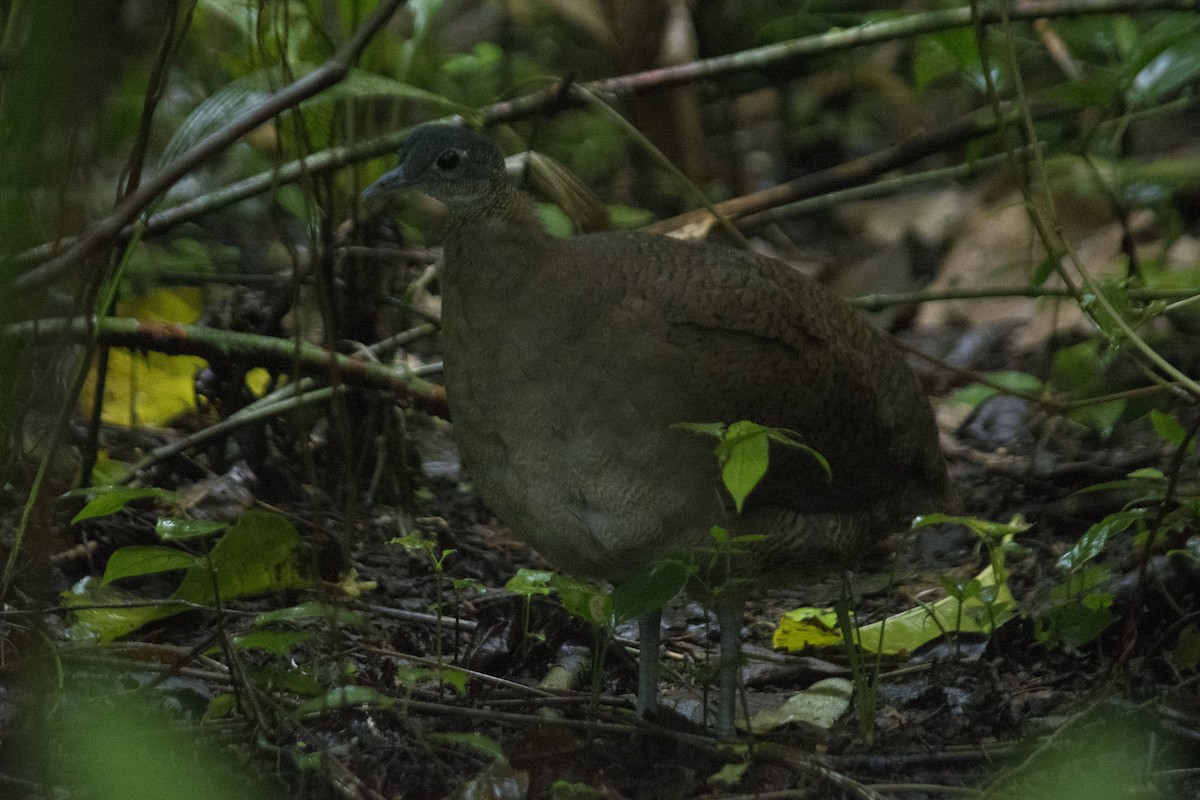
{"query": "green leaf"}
{"type": "Point", "coordinates": [1080, 368]}
{"type": "Point", "coordinates": [1074, 623]}
{"type": "Point", "coordinates": [1009, 380]}
{"type": "Point", "coordinates": [137, 560]}
{"type": "Point", "coordinates": [1116, 292]}
{"type": "Point", "coordinates": [1042, 271]}
{"type": "Point", "coordinates": [221, 706]}
{"type": "Point", "coordinates": [747, 451]}
{"type": "Point", "coordinates": [347, 697]}
{"type": "Point", "coordinates": [554, 220]}
{"type": "Point", "coordinates": [277, 642]}
{"type": "Point", "coordinates": [172, 529]}
{"type": "Point", "coordinates": [275, 677]}
{"type": "Point", "coordinates": [1101, 417]}
{"type": "Point", "coordinates": [116, 612]}
{"type": "Point", "coordinates": [1169, 70]}
{"type": "Point", "coordinates": [952, 52]}
{"type": "Point", "coordinates": [530, 582]}
{"type": "Point", "coordinates": [314, 612]}
{"type": "Point", "coordinates": [248, 91]}
{"type": "Point", "coordinates": [360, 83]}
{"type": "Point", "coordinates": [584, 601]}
{"type": "Point", "coordinates": [629, 217]}
{"type": "Point", "coordinates": [1092, 543]}
{"type": "Point", "coordinates": [111, 499]}
{"type": "Point", "coordinates": [819, 706]}
{"type": "Point", "coordinates": [649, 589]}
{"type": "Point", "coordinates": [1169, 429]}
{"type": "Point", "coordinates": [261, 553]}
{"type": "Point", "coordinates": [985, 529]}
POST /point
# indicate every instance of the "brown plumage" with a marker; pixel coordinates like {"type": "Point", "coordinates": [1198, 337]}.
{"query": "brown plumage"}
{"type": "Point", "coordinates": [569, 361]}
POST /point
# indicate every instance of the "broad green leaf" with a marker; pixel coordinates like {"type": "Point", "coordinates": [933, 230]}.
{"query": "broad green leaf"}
{"type": "Point", "coordinates": [554, 220]}
{"type": "Point", "coordinates": [137, 560]}
{"type": "Point", "coordinates": [360, 83]}
{"type": "Point", "coordinates": [806, 627]}
{"type": "Point", "coordinates": [530, 582]}
{"type": "Point", "coordinates": [584, 601]}
{"type": "Point", "coordinates": [1072, 625]}
{"type": "Point", "coordinates": [1102, 417]}
{"type": "Point", "coordinates": [347, 697]}
{"type": "Point", "coordinates": [1116, 292]}
{"type": "Point", "coordinates": [727, 776]}
{"type": "Point", "coordinates": [172, 529]}
{"type": "Point", "coordinates": [820, 705]}
{"type": "Point", "coordinates": [952, 52]}
{"type": "Point", "coordinates": [1168, 71]}
{"type": "Point", "coordinates": [649, 589]}
{"type": "Point", "coordinates": [111, 499]}
{"type": "Point", "coordinates": [979, 613]}
{"type": "Point", "coordinates": [1011, 380]}
{"type": "Point", "coordinates": [275, 676]}
{"type": "Point", "coordinates": [108, 470]}
{"type": "Point", "coordinates": [118, 612]}
{"type": "Point", "coordinates": [629, 217]}
{"type": "Point", "coordinates": [1042, 271]}
{"type": "Point", "coordinates": [746, 461]}
{"type": "Point", "coordinates": [314, 612]}
{"type": "Point", "coordinates": [277, 642]}
{"type": "Point", "coordinates": [241, 95]}
{"type": "Point", "coordinates": [1080, 368]}
{"type": "Point", "coordinates": [1185, 655]}
{"type": "Point", "coordinates": [1169, 429]}
{"type": "Point", "coordinates": [1080, 582]}
{"type": "Point", "coordinates": [411, 677]}
{"type": "Point", "coordinates": [983, 528]}
{"type": "Point", "coordinates": [128, 745]}
{"type": "Point", "coordinates": [1092, 543]}
{"type": "Point", "coordinates": [262, 552]}
{"type": "Point", "coordinates": [1141, 479]}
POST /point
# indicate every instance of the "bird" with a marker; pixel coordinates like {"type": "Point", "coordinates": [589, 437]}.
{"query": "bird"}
{"type": "Point", "coordinates": [573, 364]}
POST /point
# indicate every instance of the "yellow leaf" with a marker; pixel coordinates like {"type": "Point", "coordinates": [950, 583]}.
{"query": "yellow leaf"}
{"type": "Point", "coordinates": [807, 627]}
{"type": "Point", "coordinates": [901, 633]}
{"type": "Point", "coordinates": [149, 388]}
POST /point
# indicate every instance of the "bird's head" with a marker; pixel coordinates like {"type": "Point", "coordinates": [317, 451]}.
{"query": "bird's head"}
{"type": "Point", "coordinates": [454, 165]}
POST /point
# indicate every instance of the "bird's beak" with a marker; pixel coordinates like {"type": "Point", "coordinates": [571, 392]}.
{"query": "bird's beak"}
{"type": "Point", "coordinates": [389, 182]}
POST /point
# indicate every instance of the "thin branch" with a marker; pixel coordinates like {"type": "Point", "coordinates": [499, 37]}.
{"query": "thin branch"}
{"type": "Point", "coordinates": [878, 302]}
{"type": "Point", "coordinates": [850, 173]}
{"type": "Point", "coordinates": [252, 349]}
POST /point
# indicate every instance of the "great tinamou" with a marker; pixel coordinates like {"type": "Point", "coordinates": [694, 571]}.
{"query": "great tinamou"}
{"type": "Point", "coordinates": [570, 361]}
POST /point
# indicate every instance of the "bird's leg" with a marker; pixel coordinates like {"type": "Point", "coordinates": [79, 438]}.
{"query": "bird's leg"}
{"type": "Point", "coordinates": [648, 641]}
{"type": "Point", "coordinates": [729, 618]}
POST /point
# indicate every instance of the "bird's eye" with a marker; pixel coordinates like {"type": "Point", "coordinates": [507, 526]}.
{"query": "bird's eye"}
{"type": "Point", "coordinates": [448, 160]}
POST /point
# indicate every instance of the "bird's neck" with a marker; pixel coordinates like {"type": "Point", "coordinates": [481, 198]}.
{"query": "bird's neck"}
{"type": "Point", "coordinates": [495, 243]}
{"type": "Point", "coordinates": [503, 205]}
{"type": "Point", "coordinates": [504, 219]}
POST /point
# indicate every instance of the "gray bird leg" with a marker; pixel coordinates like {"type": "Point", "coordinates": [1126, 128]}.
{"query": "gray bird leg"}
{"type": "Point", "coordinates": [648, 642]}
{"type": "Point", "coordinates": [729, 617]}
